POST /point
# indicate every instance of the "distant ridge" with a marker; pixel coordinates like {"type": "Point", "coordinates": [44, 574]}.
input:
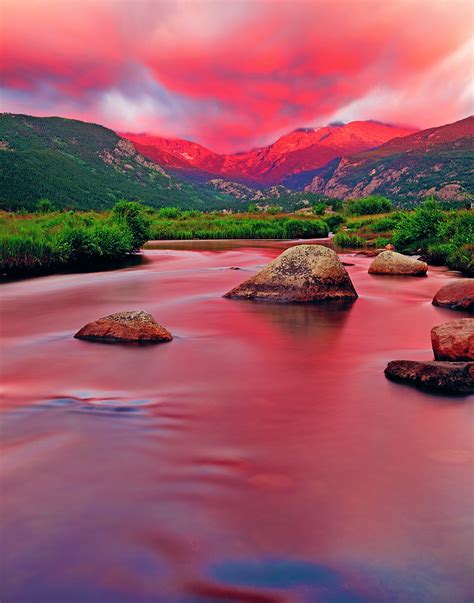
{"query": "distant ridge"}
{"type": "Point", "coordinates": [437, 161]}
{"type": "Point", "coordinates": [301, 150]}
{"type": "Point", "coordinates": [80, 165]}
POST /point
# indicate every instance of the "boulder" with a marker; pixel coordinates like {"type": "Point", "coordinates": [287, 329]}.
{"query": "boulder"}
{"type": "Point", "coordinates": [389, 247]}
{"type": "Point", "coordinates": [454, 340]}
{"type": "Point", "coordinates": [304, 273]}
{"type": "Point", "coordinates": [444, 377]}
{"type": "Point", "coordinates": [391, 262]}
{"type": "Point", "coordinates": [458, 295]}
{"type": "Point", "coordinates": [136, 326]}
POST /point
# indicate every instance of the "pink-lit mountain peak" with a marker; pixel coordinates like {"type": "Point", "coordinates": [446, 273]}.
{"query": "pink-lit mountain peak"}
{"type": "Point", "coordinates": [300, 150]}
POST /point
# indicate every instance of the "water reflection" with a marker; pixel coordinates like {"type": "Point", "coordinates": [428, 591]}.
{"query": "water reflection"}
{"type": "Point", "coordinates": [260, 456]}
{"type": "Point", "coordinates": [226, 244]}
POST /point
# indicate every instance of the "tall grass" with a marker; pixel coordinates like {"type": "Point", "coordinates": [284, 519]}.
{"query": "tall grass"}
{"type": "Point", "coordinates": [41, 243]}
{"type": "Point", "coordinates": [50, 241]}
{"type": "Point", "coordinates": [55, 241]}
{"type": "Point", "coordinates": [442, 237]}
{"type": "Point", "coordinates": [175, 224]}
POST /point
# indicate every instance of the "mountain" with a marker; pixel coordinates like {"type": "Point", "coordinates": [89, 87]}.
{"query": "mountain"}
{"type": "Point", "coordinates": [437, 161]}
{"type": "Point", "coordinates": [81, 165]}
{"type": "Point", "coordinates": [303, 150]}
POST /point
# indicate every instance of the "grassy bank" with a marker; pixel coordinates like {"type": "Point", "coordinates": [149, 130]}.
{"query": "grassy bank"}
{"type": "Point", "coordinates": [171, 223]}
{"type": "Point", "coordinates": [50, 241]}
{"type": "Point", "coordinates": [441, 237]}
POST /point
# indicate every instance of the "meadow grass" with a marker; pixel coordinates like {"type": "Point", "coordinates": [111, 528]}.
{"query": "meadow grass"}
{"type": "Point", "coordinates": [441, 237]}
{"type": "Point", "coordinates": [197, 225]}
{"type": "Point", "coordinates": [60, 241]}
{"type": "Point", "coordinates": [57, 241]}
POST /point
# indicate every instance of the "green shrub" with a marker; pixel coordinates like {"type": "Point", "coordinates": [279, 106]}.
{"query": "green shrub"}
{"type": "Point", "coordinates": [381, 241]}
{"type": "Point", "coordinates": [273, 209]}
{"type": "Point", "coordinates": [170, 212]}
{"type": "Point", "coordinates": [319, 209]}
{"type": "Point", "coordinates": [375, 204]}
{"type": "Point", "coordinates": [334, 221]}
{"type": "Point", "coordinates": [386, 224]}
{"type": "Point", "coordinates": [45, 206]}
{"type": "Point", "coordinates": [135, 217]}
{"type": "Point", "coordinates": [305, 229]}
{"type": "Point", "coordinates": [345, 240]}
{"type": "Point", "coordinates": [419, 229]}
{"type": "Point", "coordinates": [445, 237]}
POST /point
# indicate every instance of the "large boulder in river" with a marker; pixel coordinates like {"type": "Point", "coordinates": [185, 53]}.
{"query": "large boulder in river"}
{"type": "Point", "coordinates": [304, 273]}
{"type": "Point", "coordinates": [444, 377]}
{"type": "Point", "coordinates": [136, 326]}
{"type": "Point", "coordinates": [393, 263]}
{"type": "Point", "coordinates": [458, 295]}
{"type": "Point", "coordinates": [454, 340]}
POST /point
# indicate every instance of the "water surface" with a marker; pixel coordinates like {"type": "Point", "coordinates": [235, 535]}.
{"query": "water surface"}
{"type": "Point", "coordinates": [259, 457]}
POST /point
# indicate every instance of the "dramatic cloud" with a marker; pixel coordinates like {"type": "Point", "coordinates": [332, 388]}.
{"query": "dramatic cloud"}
{"type": "Point", "coordinates": [232, 74]}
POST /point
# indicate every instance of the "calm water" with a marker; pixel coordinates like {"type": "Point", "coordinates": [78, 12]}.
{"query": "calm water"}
{"type": "Point", "coordinates": [259, 457]}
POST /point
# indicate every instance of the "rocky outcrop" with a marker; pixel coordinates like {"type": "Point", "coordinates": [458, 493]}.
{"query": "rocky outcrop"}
{"type": "Point", "coordinates": [454, 340]}
{"type": "Point", "coordinates": [414, 167]}
{"type": "Point", "coordinates": [393, 263]}
{"type": "Point", "coordinates": [235, 189]}
{"type": "Point", "coordinates": [123, 151]}
{"type": "Point", "coordinates": [458, 295]}
{"type": "Point", "coordinates": [136, 326]}
{"type": "Point", "coordinates": [304, 273]}
{"type": "Point", "coordinates": [446, 377]}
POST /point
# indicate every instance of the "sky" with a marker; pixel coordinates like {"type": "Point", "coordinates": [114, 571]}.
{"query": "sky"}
{"type": "Point", "coordinates": [233, 75]}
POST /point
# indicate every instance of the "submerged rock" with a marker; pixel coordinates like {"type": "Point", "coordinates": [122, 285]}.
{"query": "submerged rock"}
{"type": "Point", "coordinates": [136, 326]}
{"type": "Point", "coordinates": [454, 340]}
{"type": "Point", "coordinates": [446, 377]}
{"type": "Point", "coordinates": [458, 295]}
{"type": "Point", "coordinates": [391, 262]}
{"type": "Point", "coordinates": [304, 273]}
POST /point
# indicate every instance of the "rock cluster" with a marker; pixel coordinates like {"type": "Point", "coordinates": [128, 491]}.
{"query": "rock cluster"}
{"type": "Point", "coordinates": [303, 273]}
{"type": "Point", "coordinates": [452, 371]}
{"type": "Point", "coordinates": [393, 263]}
{"type": "Point", "coordinates": [136, 326]}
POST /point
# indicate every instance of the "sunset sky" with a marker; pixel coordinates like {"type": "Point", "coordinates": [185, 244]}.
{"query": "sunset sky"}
{"type": "Point", "coordinates": [236, 74]}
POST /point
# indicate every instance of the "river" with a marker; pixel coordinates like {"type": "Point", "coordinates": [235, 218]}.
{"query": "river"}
{"type": "Point", "coordinates": [261, 456]}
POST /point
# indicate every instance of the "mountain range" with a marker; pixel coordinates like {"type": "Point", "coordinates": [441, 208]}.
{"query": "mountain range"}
{"type": "Point", "coordinates": [80, 165]}
{"type": "Point", "coordinates": [303, 150]}
{"type": "Point", "coordinates": [437, 161]}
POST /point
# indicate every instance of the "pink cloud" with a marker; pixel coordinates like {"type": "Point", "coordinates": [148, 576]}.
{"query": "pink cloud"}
{"type": "Point", "coordinates": [232, 75]}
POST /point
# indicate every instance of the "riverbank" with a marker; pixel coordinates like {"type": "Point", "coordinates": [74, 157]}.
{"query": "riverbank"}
{"type": "Point", "coordinates": [440, 237]}
{"type": "Point", "coordinates": [55, 242]}
{"type": "Point", "coordinates": [44, 243]}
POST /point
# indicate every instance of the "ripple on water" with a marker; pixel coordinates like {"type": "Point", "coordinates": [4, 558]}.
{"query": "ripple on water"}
{"type": "Point", "coordinates": [274, 581]}
{"type": "Point", "coordinates": [100, 404]}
